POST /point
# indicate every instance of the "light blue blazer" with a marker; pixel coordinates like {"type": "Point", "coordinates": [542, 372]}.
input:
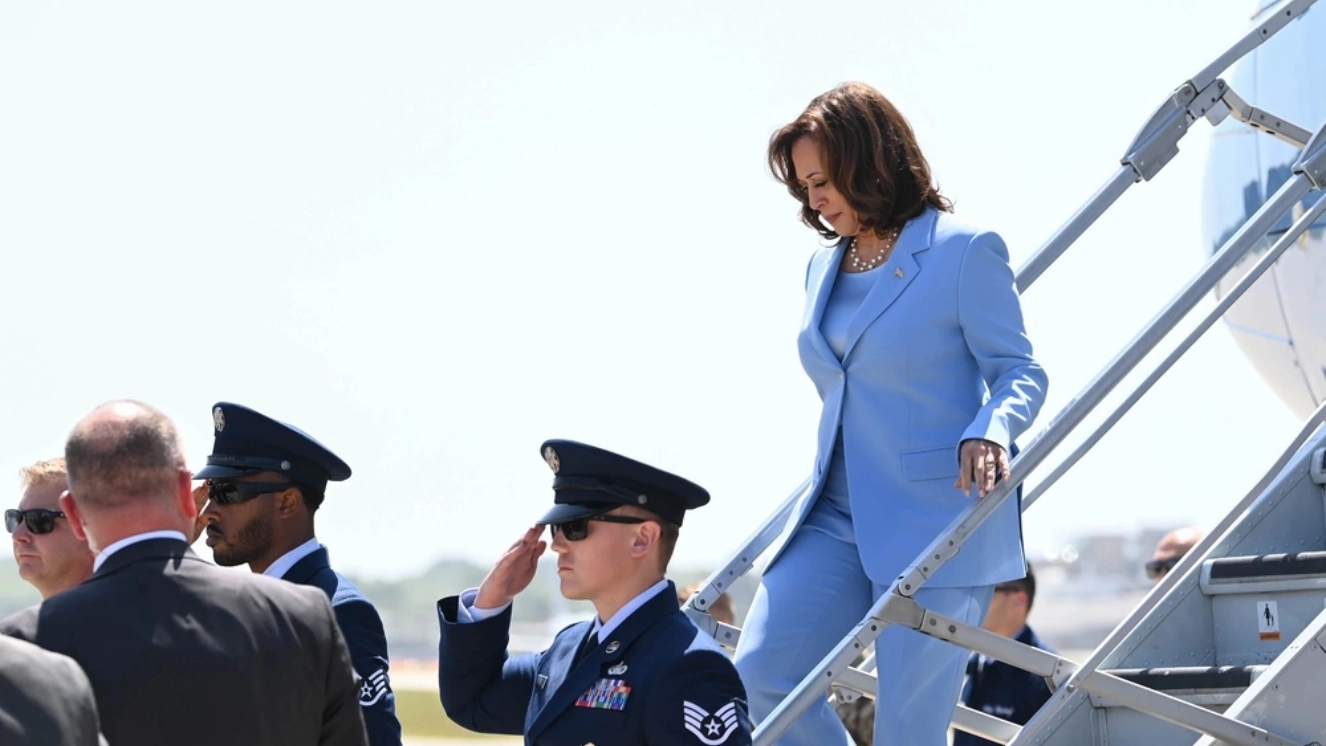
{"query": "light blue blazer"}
{"type": "Point", "coordinates": [936, 354]}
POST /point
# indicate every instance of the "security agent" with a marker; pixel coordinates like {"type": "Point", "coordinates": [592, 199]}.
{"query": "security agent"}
{"type": "Point", "coordinates": [638, 673]}
{"type": "Point", "coordinates": [48, 553]}
{"type": "Point", "coordinates": [997, 688]}
{"type": "Point", "coordinates": [265, 482]}
{"type": "Point", "coordinates": [45, 697]}
{"type": "Point", "coordinates": [178, 650]}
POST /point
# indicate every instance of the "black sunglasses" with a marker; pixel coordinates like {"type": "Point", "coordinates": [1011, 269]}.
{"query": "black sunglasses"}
{"type": "Point", "coordinates": [232, 493]}
{"type": "Point", "coordinates": [39, 520]}
{"type": "Point", "coordinates": [579, 528]}
{"type": "Point", "coordinates": [1157, 568]}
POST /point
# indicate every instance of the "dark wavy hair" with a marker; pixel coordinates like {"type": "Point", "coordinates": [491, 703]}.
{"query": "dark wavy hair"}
{"type": "Point", "coordinates": [871, 154]}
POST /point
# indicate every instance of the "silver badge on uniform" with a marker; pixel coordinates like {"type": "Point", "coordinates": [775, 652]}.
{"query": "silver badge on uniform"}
{"type": "Point", "coordinates": [550, 456]}
{"type": "Point", "coordinates": [617, 670]}
{"type": "Point", "coordinates": [218, 419]}
{"type": "Point", "coordinates": [612, 647]}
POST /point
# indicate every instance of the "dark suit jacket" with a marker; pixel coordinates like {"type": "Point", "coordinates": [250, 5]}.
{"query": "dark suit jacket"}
{"type": "Point", "coordinates": [656, 679]}
{"type": "Point", "coordinates": [180, 651]}
{"type": "Point", "coordinates": [44, 698]}
{"type": "Point", "coordinates": [362, 628]}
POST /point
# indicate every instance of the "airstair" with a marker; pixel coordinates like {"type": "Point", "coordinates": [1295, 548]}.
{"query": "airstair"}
{"type": "Point", "coordinates": [1230, 647]}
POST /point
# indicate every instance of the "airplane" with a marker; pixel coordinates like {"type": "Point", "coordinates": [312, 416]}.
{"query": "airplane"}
{"type": "Point", "coordinates": [1280, 323]}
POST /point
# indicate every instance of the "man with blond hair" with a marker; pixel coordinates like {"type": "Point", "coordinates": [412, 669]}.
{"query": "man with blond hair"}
{"type": "Point", "coordinates": [48, 553]}
{"type": "Point", "coordinates": [180, 651]}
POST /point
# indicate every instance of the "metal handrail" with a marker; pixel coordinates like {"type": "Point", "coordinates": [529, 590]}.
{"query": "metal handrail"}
{"type": "Point", "coordinates": [1242, 286]}
{"type": "Point", "coordinates": [945, 546]}
{"type": "Point", "coordinates": [1150, 151]}
{"type": "Point", "coordinates": [1307, 176]}
{"type": "Point", "coordinates": [1158, 141]}
{"type": "Point", "coordinates": [744, 557]}
{"type": "Point", "coordinates": [1191, 560]}
{"type": "Point", "coordinates": [697, 606]}
{"type": "Point", "coordinates": [854, 678]}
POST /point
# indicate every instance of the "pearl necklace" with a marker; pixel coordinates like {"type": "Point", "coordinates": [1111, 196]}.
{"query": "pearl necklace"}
{"type": "Point", "coordinates": [885, 250]}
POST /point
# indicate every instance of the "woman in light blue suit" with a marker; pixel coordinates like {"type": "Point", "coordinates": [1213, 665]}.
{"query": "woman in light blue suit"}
{"type": "Point", "coordinates": [914, 339]}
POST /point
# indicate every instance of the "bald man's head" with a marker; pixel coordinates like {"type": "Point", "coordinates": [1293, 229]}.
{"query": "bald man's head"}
{"type": "Point", "coordinates": [1170, 550]}
{"type": "Point", "coordinates": [123, 452]}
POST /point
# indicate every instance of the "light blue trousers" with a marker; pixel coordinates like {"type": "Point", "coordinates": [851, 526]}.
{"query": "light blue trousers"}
{"type": "Point", "coordinates": [809, 599]}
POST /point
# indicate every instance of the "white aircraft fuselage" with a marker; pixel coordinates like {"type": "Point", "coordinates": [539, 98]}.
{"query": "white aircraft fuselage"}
{"type": "Point", "coordinates": [1280, 323]}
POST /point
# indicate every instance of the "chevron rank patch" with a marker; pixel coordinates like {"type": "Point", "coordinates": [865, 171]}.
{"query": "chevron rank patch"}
{"type": "Point", "coordinates": [712, 728]}
{"type": "Point", "coordinates": [373, 687]}
{"type": "Point", "coordinates": [606, 694]}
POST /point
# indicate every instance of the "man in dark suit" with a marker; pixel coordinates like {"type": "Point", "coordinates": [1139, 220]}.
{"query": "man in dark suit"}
{"type": "Point", "coordinates": [265, 481]}
{"type": "Point", "coordinates": [640, 672]}
{"type": "Point", "coordinates": [178, 650]}
{"type": "Point", "coordinates": [44, 698]}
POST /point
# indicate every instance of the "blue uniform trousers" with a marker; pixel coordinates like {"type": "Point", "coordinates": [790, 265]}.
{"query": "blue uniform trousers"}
{"type": "Point", "coordinates": [810, 598]}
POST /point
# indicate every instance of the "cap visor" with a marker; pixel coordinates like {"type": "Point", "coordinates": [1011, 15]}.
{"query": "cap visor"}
{"type": "Point", "coordinates": [564, 513]}
{"type": "Point", "coordinates": [212, 471]}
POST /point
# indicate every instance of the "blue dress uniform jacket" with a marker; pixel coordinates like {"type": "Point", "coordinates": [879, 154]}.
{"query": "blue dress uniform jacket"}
{"type": "Point", "coordinates": [1005, 691]}
{"type": "Point", "coordinates": [936, 354]}
{"type": "Point", "coordinates": [362, 628]}
{"type": "Point", "coordinates": [656, 680]}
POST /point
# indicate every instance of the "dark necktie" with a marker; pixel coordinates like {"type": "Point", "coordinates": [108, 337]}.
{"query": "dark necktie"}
{"type": "Point", "coordinates": [590, 642]}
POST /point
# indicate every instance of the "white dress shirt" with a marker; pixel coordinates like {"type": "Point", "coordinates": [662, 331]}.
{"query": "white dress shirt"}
{"type": "Point", "coordinates": [126, 541]}
{"type": "Point", "coordinates": [282, 566]}
{"type": "Point", "coordinates": [603, 629]}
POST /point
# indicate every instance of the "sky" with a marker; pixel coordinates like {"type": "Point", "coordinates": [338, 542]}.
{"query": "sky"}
{"type": "Point", "coordinates": [434, 235]}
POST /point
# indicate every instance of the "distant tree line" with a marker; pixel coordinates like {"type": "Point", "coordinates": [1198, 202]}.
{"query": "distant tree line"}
{"type": "Point", "coordinates": [408, 605]}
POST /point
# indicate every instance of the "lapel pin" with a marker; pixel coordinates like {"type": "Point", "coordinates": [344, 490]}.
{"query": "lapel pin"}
{"type": "Point", "coordinates": [542, 681]}
{"type": "Point", "coordinates": [617, 670]}
{"type": "Point", "coordinates": [898, 272]}
{"type": "Point", "coordinates": [612, 647]}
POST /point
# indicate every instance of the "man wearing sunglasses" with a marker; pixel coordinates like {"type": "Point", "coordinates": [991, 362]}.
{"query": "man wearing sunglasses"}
{"type": "Point", "coordinates": [48, 554]}
{"type": "Point", "coordinates": [1170, 550]}
{"type": "Point", "coordinates": [640, 672]}
{"type": "Point", "coordinates": [265, 482]}
{"type": "Point", "coordinates": [180, 651]}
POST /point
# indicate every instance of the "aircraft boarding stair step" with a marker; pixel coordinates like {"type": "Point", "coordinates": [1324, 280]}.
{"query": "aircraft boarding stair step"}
{"type": "Point", "coordinates": [1213, 687]}
{"type": "Point", "coordinates": [1242, 591]}
{"type": "Point", "coordinates": [1288, 696]}
{"type": "Point", "coordinates": [1284, 698]}
{"type": "Point", "coordinates": [1240, 633]}
{"type": "Point", "coordinates": [1261, 602]}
